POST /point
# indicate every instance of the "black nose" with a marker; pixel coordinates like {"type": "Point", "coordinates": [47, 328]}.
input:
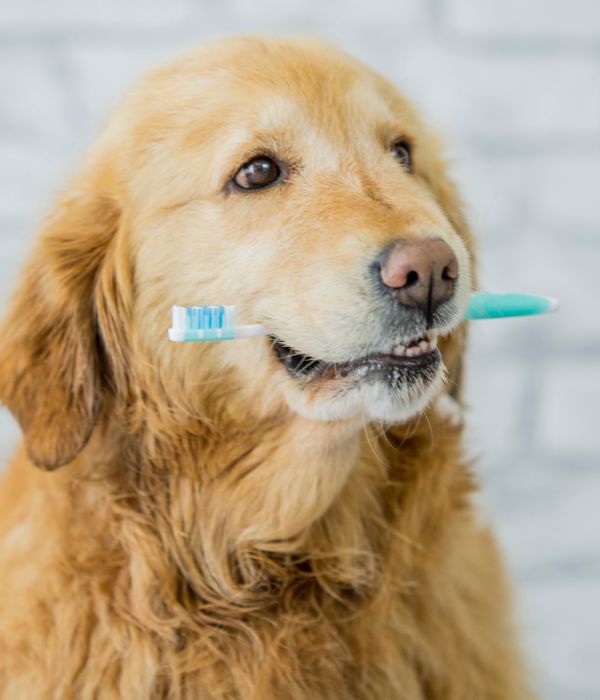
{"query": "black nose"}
{"type": "Point", "coordinates": [418, 272]}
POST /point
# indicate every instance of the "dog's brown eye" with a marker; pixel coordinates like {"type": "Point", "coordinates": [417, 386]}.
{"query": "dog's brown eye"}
{"type": "Point", "coordinates": [402, 151]}
{"type": "Point", "coordinates": [256, 173]}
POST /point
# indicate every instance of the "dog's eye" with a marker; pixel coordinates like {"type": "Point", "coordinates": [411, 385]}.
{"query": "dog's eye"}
{"type": "Point", "coordinates": [256, 173]}
{"type": "Point", "coordinates": [402, 151]}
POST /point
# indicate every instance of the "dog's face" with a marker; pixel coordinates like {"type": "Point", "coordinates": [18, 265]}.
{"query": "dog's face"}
{"type": "Point", "coordinates": [287, 189]}
{"type": "Point", "coordinates": [291, 181]}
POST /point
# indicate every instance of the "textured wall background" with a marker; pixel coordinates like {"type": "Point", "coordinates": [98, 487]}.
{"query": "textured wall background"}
{"type": "Point", "coordinates": [515, 87]}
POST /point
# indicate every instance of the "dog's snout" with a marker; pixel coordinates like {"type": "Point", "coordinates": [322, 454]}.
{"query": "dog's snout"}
{"type": "Point", "coordinates": [418, 273]}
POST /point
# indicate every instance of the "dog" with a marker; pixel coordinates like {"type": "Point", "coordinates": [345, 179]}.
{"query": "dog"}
{"type": "Point", "coordinates": [285, 517]}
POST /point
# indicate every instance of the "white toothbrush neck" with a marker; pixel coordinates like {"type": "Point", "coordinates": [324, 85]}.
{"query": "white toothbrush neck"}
{"type": "Point", "coordinates": [250, 330]}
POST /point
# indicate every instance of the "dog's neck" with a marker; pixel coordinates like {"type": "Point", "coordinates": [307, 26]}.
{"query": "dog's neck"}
{"type": "Point", "coordinates": [233, 515]}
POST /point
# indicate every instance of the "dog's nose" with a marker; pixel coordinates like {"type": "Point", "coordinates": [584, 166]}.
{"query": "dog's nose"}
{"type": "Point", "coordinates": [419, 273]}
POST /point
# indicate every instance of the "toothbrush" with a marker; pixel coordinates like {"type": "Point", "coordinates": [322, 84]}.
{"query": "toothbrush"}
{"type": "Point", "coordinates": [209, 323]}
{"type": "Point", "coordinates": [484, 305]}
{"type": "Point", "coordinates": [193, 323]}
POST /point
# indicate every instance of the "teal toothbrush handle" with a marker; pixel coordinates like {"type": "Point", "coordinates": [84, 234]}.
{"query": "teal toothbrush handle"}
{"type": "Point", "coordinates": [483, 305]}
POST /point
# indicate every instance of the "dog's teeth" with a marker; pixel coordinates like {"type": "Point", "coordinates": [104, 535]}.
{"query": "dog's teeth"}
{"type": "Point", "coordinates": [421, 347]}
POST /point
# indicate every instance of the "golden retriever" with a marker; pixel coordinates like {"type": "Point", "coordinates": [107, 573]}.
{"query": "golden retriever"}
{"type": "Point", "coordinates": [274, 518]}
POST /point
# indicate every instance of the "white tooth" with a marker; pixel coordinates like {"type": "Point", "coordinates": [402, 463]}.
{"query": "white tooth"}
{"type": "Point", "coordinates": [412, 352]}
{"type": "Point", "coordinates": [399, 350]}
{"type": "Point", "coordinates": [424, 345]}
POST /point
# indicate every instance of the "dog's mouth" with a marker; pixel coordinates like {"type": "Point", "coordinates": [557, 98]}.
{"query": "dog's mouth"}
{"type": "Point", "coordinates": [401, 363]}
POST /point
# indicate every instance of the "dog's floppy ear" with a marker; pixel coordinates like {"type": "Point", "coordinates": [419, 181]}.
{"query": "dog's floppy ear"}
{"type": "Point", "coordinates": [49, 363]}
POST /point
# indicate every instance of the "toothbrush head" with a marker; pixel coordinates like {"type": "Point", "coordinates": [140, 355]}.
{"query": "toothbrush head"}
{"type": "Point", "coordinates": [202, 323]}
{"type": "Point", "coordinates": [192, 323]}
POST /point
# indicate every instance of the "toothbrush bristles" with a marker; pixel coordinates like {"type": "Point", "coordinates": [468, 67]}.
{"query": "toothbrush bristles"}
{"type": "Point", "coordinates": [193, 318]}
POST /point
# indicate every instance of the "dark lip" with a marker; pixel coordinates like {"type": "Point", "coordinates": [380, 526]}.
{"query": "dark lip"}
{"type": "Point", "coordinates": [296, 363]}
{"type": "Point", "coordinates": [388, 362]}
{"type": "Point", "coordinates": [302, 366]}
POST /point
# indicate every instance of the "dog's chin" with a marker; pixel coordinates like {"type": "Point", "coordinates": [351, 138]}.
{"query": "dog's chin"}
{"type": "Point", "coordinates": [388, 387]}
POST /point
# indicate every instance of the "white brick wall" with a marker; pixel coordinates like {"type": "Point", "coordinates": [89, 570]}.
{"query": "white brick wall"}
{"type": "Point", "coordinates": [515, 87]}
{"type": "Point", "coordinates": [509, 98]}
{"type": "Point", "coordinates": [74, 15]}
{"type": "Point", "coordinates": [557, 20]}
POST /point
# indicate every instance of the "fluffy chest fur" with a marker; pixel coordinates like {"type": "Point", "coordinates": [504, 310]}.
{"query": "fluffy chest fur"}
{"type": "Point", "coordinates": [138, 583]}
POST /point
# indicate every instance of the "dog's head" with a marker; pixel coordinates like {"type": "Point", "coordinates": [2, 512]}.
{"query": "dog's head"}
{"type": "Point", "coordinates": [280, 176]}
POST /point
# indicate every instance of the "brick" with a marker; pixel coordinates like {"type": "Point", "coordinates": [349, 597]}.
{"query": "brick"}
{"type": "Point", "coordinates": [559, 616]}
{"type": "Point", "coordinates": [531, 19]}
{"type": "Point", "coordinates": [497, 192]}
{"type": "Point", "coordinates": [526, 495]}
{"type": "Point", "coordinates": [566, 194]}
{"type": "Point", "coordinates": [354, 15]}
{"type": "Point", "coordinates": [546, 518]}
{"type": "Point", "coordinates": [555, 190]}
{"type": "Point", "coordinates": [511, 101]}
{"type": "Point", "coordinates": [229, 16]}
{"type": "Point", "coordinates": [30, 175]}
{"type": "Point", "coordinates": [101, 75]}
{"type": "Point", "coordinates": [570, 407]}
{"type": "Point", "coordinates": [95, 14]}
{"type": "Point", "coordinates": [494, 392]}
{"type": "Point", "coordinates": [32, 104]}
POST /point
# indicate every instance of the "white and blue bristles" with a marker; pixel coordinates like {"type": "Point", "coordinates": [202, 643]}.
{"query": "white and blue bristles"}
{"type": "Point", "coordinates": [218, 322]}
{"type": "Point", "coordinates": [209, 323]}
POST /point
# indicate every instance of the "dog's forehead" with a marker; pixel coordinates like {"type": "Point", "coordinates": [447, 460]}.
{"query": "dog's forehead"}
{"type": "Point", "coordinates": [329, 106]}
{"type": "Point", "coordinates": [272, 82]}
{"type": "Point", "coordinates": [309, 109]}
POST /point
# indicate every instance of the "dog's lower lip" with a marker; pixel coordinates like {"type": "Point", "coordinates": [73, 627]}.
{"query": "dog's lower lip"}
{"type": "Point", "coordinates": [384, 360]}
{"type": "Point", "coordinates": [308, 367]}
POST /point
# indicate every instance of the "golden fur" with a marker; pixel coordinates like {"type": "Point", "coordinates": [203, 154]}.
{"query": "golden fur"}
{"type": "Point", "coordinates": [215, 531]}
